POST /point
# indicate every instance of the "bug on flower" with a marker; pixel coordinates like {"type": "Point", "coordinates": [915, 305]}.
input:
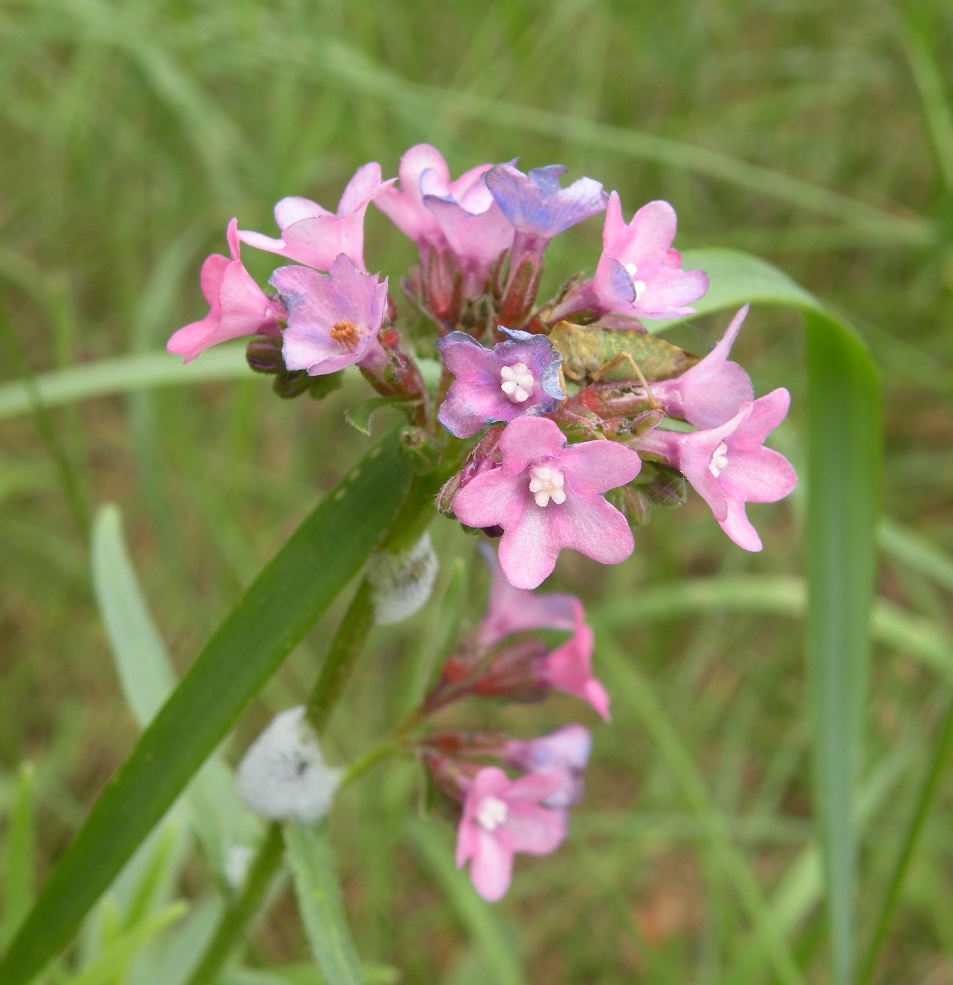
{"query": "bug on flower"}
{"type": "Point", "coordinates": [591, 354]}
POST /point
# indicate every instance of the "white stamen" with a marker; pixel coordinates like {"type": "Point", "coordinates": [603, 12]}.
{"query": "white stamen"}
{"type": "Point", "coordinates": [491, 813]}
{"type": "Point", "coordinates": [631, 269]}
{"type": "Point", "coordinates": [546, 483]}
{"type": "Point", "coordinates": [719, 460]}
{"type": "Point", "coordinates": [517, 382]}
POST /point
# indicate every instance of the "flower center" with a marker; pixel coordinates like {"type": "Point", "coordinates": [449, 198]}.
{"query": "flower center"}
{"type": "Point", "coordinates": [546, 483]}
{"type": "Point", "coordinates": [517, 382]}
{"type": "Point", "coordinates": [346, 334]}
{"type": "Point", "coordinates": [719, 460]}
{"type": "Point", "coordinates": [631, 269]}
{"type": "Point", "coordinates": [491, 813]}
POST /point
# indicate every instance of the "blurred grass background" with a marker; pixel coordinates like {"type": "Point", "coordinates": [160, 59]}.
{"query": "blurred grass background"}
{"type": "Point", "coordinates": [817, 136]}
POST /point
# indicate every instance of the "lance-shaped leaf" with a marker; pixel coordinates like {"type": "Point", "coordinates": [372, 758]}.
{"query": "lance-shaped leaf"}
{"type": "Point", "coordinates": [273, 615]}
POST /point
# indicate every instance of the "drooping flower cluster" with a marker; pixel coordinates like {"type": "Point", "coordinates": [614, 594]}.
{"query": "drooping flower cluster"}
{"type": "Point", "coordinates": [499, 816]}
{"type": "Point", "coordinates": [547, 424]}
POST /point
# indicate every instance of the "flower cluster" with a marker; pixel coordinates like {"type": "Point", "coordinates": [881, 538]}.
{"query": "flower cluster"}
{"type": "Point", "coordinates": [499, 816]}
{"type": "Point", "coordinates": [546, 424]}
{"type": "Point", "coordinates": [570, 397]}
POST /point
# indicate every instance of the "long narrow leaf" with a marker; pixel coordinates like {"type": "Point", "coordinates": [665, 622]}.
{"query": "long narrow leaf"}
{"type": "Point", "coordinates": [273, 615]}
{"type": "Point", "coordinates": [844, 458]}
{"type": "Point", "coordinates": [319, 901]}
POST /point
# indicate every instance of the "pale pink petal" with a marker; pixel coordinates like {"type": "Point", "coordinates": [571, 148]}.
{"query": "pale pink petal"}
{"type": "Point", "coordinates": [492, 867]}
{"type": "Point", "coordinates": [597, 466]}
{"type": "Point", "coordinates": [530, 548]}
{"type": "Point", "coordinates": [492, 498]}
{"type": "Point", "coordinates": [294, 208]}
{"type": "Point", "coordinates": [536, 830]}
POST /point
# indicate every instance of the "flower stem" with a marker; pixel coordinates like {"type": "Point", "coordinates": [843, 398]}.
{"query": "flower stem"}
{"type": "Point", "coordinates": [345, 648]}
{"type": "Point", "coordinates": [236, 917]}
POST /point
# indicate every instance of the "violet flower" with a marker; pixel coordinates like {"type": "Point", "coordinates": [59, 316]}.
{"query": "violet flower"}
{"type": "Point", "coordinates": [566, 750]}
{"type": "Point", "coordinates": [728, 466]}
{"type": "Point", "coordinates": [536, 204]}
{"type": "Point", "coordinates": [547, 495]}
{"type": "Point", "coordinates": [237, 305]}
{"type": "Point", "coordinates": [516, 377]}
{"type": "Point", "coordinates": [312, 235]}
{"type": "Point", "coordinates": [440, 214]}
{"type": "Point", "coordinates": [333, 318]}
{"type": "Point", "coordinates": [503, 816]}
{"type": "Point", "coordinates": [711, 392]}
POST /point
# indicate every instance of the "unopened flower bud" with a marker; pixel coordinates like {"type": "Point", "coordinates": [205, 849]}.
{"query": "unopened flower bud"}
{"type": "Point", "coordinates": [402, 583]}
{"type": "Point", "coordinates": [418, 449]}
{"type": "Point", "coordinates": [264, 355]}
{"type": "Point", "coordinates": [283, 775]}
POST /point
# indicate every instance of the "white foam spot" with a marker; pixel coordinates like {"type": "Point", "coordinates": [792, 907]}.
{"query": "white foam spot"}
{"type": "Point", "coordinates": [402, 583]}
{"type": "Point", "coordinates": [283, 775]}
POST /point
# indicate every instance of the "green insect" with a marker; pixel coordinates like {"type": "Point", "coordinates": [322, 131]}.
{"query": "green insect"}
{"type": "Point", "coordinates": [615, 354]}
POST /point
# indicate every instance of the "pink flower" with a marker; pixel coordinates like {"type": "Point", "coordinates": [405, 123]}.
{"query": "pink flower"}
{"type": "Point", "coordinates": [547, 495]}
{"type": "Point", "coordinates": [238, 306]}
{"type": "Point", "coordinates": [438, 214]}
{"type": "Point", "coordinates": [638, 274]}
{"type": "Point", "coordinates": [502, 817]}
{"type": "Point", "coordinates": [566, 750]}
{"type": "Point", "coordinates": [312, 235]}
{"type": "Point", "coordinates": [517, 376]}
{"type": "Point", "coordinates": [516, 610]}
{"type": "Point", "coordinates": [711, 392]}
{"type": "Point", "coordinates": [569, 668]}
{"type": "Point", "coordinates": [333, 318]}
{"type": "Point", "coordinates": [728, 466]}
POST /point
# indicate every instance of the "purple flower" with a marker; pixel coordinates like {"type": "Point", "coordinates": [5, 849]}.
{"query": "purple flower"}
{"type": "Point", "coordinates": [438, 214]}
{"type": "Point", "coordinates": [711, 392]}
{"type": "Point", "coordinates": [728, 466]}
{"type": "Point", "coordinates": [503, 816]}
{"type": "Point", "coordinates": [536, 204]}
{"type": "Point", "coordinates": [333, 318]}
{"type": "Point", "coordinates": [237, 305]}
{"type": "Point", "coordinates": [566, 750]}
{"type": "Point", "coordinates": [516, 610]}
{"type": "Point", "coordinates": [312, 235]}
{"type": "Point", "coordinates": [547, 495]}
{"type": "Point", "coordinates": [516, 377]}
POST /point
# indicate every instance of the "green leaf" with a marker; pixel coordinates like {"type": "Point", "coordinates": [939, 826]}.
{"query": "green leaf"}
{"type": "Point", "coordinates": [844, 462]}
{"type": "Point", "coordinates": [274, 614]}
{"type": "Point", "coordinates": [147, 679]}
{"type": "Point", "coordinates": [125, 374]}
{"type": "Point", "coordinates": [116, 957]}
{"type": "Point", "coordinates": [319, 901]}
{"type": "Point", "coordinates": [18, 855]}
{"type": "Point", "coordinates": [481, 922]}
{"type": "Point", "coordinates": [359, 416]}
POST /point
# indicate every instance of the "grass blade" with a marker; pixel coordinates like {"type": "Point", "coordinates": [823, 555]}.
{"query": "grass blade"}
{"type": "Point", "coordinates": [273, 615]}
{"type": "Point", "coordinates": [124, 374]}
{"type": "Point", "coordinates": [481, 922]}
{"type": "Point", "coordinates": [633, 690]}
{"type": "Point", "coordinates": [843, 503]}
{"type": "Point", "coordinates": [319, 900]}
{"type": "Point", "coordinates": [18, 855]}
